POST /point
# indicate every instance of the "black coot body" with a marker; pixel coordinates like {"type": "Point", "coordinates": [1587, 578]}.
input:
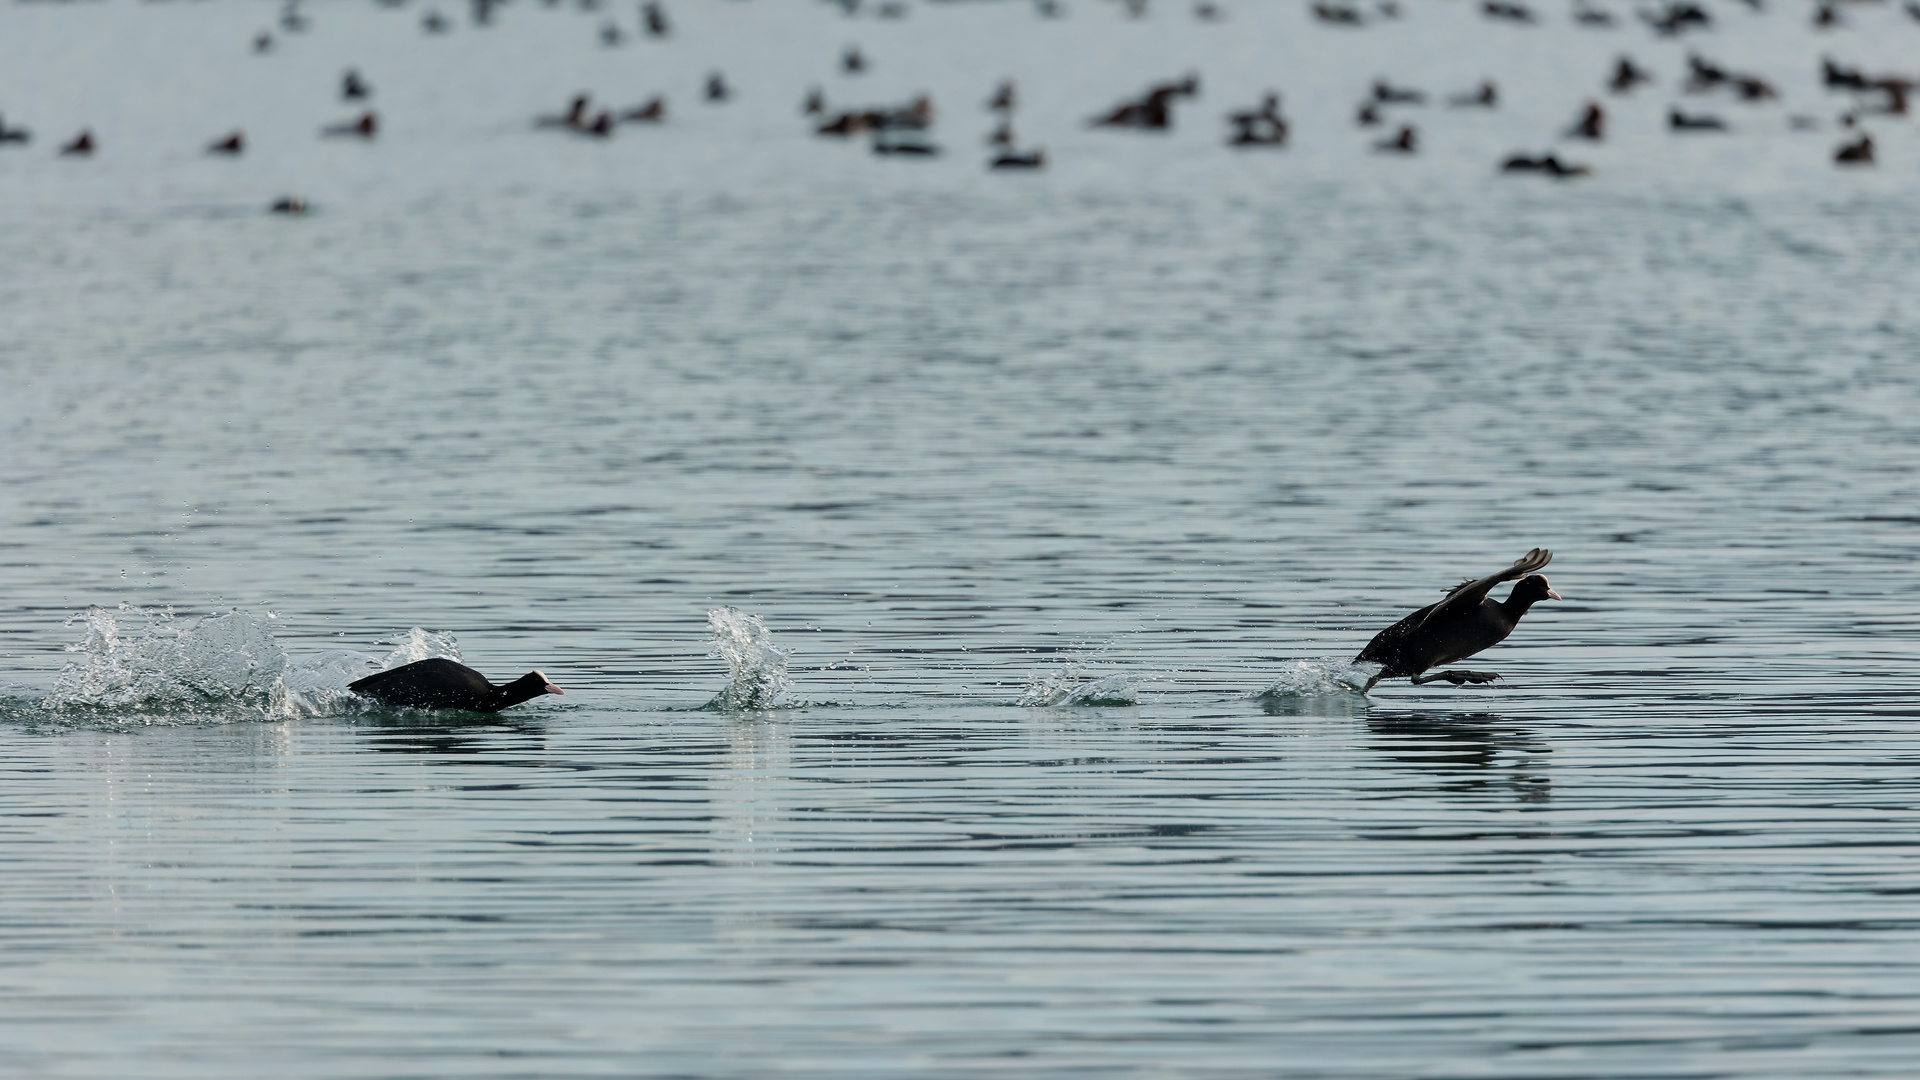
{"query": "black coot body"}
{"type": "Point", "coordinates": [1462, 624]}
{"type": "Point", "coordinates": [444, 684]}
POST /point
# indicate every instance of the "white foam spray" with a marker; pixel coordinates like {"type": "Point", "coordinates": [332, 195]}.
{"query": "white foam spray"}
{"type": "Point", "coordinates": [756, 667]}
{"type": "Point", "coordinates": [136, 658]}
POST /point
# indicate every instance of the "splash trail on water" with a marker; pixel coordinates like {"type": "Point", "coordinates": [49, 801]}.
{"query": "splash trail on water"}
{"type": "Point", "coordinates": [1081, 683]}
{"type": "Point", "coordinates": [1322, 676]}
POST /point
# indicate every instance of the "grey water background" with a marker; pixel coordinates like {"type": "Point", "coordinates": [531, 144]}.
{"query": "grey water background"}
{"type": "Point", "coordinates": [1191, 434]}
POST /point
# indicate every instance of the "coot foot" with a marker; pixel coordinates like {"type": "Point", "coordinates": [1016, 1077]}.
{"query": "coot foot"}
{"type": "Point", "coordinates": [1457, 677]}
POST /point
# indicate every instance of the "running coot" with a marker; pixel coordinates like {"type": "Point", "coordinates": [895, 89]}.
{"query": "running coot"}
{"type": "Point", "coordinates": [444, 684]}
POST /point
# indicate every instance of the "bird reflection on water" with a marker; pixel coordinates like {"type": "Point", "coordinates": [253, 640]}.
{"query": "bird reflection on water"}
{"type": "Point", "coordinates": [474, 737]}
{"type": "Point", "coordinates": [1465, 752]}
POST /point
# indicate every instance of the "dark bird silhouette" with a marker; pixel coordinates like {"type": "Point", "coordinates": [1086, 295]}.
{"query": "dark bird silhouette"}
{"type": "Point", "coordinates": [815, 104]}
{"type": "Point", "coordinates": [262, 42]}
{"type": "Point", "coordinates": [1338, 15]}
{"type": "Point", "coordinates": [1487, 97]}
{"type": "Point", "coordinates": [231, 145]}
{"type": "Point", "coordinates": [1836, 77]}
{"type": "Point", "coordinates": [1703, 74]}
{"type": "Point", "coordinates": [655, 20]}
{"type": "Point", "coordinates": [1591, 125]}
{"type": "Point", "coordinates": [1388, 94]}
{"type": "Point", "coordinates": [1031, 159]}
{"type": "Point", "coordinates": [1005, 97]}
{"type": "Point", "coordinates": [1259, 127]}
{"type": "Point", "coordinates": [1507, 12]}
{"type": "Point", "coordinates": [914, 116]}
{"type": "Point", "coordinates": [13, 135]}
{"type": "Point", "coordinates": [1584, 15]}
{"type": "Point", "coordinates": [1627, 75]}
{"type": "Point", "coordinates": [291, 205]}
{"type": "Point", "coordinates": [444, 684]}
{"type": "Point", "coordinates": [1677, 18]}
{"type": "Point", "coordinates": [717, 89]}
{"type": "Point", "coordinates": [81, 146]}
{"type": "Point", "coordinates": [434, 23]}
{"type": "Point", "coordinates": [1896, 90]}
{"type": "Point", "coordinates": [853, 62]}
{"type": "Point", "coordinates": [1859, 152]}
{"type": "Point", "coordinates": [366, 127]}
{"type": "Point", "coordinates": [1154, 110]}
{"type": "Point", "coordinates": [1679, 121]}
{"type": "Point", "coordinates": [1464, 623]}
{"type": "Point", "coordinates": [575, 116]}
{"type": "Point", "coordinates": [1546, 164]}
{"type": "Point", "coordinates": [1405, 142]}
{"type": "Point", "coordinates": [653, 112]}
{"type": "Point", "coordinates": [353, 87]}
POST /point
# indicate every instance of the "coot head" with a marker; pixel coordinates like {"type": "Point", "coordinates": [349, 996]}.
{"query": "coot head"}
{"type": "Point", "coordinates": [1531, 589]}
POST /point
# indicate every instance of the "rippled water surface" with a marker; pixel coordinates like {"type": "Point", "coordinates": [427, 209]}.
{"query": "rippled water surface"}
{"type": "Point", "coordinates": [952, 581]}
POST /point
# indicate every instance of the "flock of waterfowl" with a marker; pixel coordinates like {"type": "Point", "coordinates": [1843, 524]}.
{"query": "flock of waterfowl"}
{"type": "Point", "coordinates": [904, 129]}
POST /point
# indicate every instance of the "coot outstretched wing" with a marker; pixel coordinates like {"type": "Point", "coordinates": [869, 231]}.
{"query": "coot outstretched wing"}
{"type": "Point", "coordinates": [1462, 624]}
{"type": "Point", "coordinates": [444, 684]}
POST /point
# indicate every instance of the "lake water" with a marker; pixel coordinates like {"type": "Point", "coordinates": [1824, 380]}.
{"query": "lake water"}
{"type": "Point", "coordinates": [951, 574]}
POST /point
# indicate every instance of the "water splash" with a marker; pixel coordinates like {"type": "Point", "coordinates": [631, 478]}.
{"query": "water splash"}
{"type": "Point", "coordinates": [1320, 677]}
{"type": "Point", "coordinates": [756, 667]}
{"type": "Point", "coordinates": [226, 660]}
{"type": "Point", "coordinates": [1070, 686]}
{"type": "Point", "coordinates": [420, 644]}
{"type": "Point", "coordinates": [317, 685]}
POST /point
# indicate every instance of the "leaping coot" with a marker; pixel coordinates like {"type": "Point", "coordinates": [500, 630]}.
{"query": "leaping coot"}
{"type": "Point", "coordinates": [1462, 624]}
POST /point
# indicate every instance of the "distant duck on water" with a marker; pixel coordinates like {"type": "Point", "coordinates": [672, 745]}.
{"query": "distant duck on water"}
{"type": "Point", "coordinates": [575, 116]}
{"type": "Point", "coordinates": [1407, 141]}
{"type": "Point", "coordinates": [365, 127]}
{"type": "Point", "coordinates": [1859, 152]}
{"type": "Point", "coordinates": [1591, 125]}
{"type": "Point", "coordinates": [653, 112]}
{"type": "Point", "coordinates": [1547, 164]}
{"type": "Point", "coordinates": [1016, 159]}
